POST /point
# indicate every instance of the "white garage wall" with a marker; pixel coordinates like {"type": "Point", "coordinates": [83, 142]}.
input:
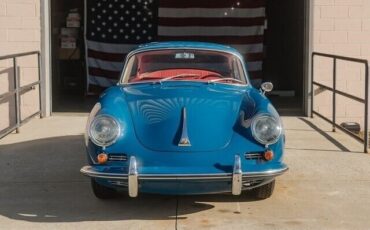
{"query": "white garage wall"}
{"type": "Point", "coordinates": [20, 31]}
{"type": "Point", "coordinates": [341, 27]}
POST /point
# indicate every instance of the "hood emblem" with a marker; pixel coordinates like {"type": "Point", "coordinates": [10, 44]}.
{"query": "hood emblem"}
{"type": "Point", "coordinates": [184, 140]}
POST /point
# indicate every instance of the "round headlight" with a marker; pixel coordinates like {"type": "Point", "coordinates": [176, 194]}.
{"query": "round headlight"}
{"type": "Point", "coordinates": [104, 130]}
{"type": "Point", "coordinates": [266, 129]}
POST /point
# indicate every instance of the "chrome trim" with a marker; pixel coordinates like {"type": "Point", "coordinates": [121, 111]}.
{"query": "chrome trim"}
{"type": "Point", "coordinates": [117, 157]}
{"type": "Point", "coordinates": [133, 182]}
{"type": "Point", "coordinates": [114, 121]}
{"type": "Point", "coordinates": [90, 172]}
{"type": "Point", "coordinates": [253, 156]}
{"type": "Point", "coordinates": [278, 122]}
{"type": "Point", "coordinates": [137, 51]}
{"type": "Point", "coordinates": [263, 182]}
{"type": "Point", "coordinates": [237, 177]}
{"type": "Point", "coordinates": [184, 140]}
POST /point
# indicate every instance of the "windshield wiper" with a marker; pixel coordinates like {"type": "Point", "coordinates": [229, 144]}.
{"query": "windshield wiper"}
{"type": "Point", "coordinates": [179, 76]}
{"type": "Point", "coordinates": [225, 79]}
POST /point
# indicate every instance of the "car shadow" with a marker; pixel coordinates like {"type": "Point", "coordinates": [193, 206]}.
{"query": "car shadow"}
{"type": "Point", "coordinates": [41, 182]}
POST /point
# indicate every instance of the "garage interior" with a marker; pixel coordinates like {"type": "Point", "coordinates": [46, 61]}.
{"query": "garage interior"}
{"type": "Point", "coordinates": [283, 64]}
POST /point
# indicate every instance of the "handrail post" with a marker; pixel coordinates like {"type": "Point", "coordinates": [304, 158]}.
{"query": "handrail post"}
{"type": "Point", "coordinates": [17, 95]}
{"type": "Point", "coordinates": [40, 85]}
{"type": "Point", "coordinates": [366, 134]}
{"type": "Point", "coordinates": [334, 91]}
{"type": "Point", "coordinates": [312, 75]}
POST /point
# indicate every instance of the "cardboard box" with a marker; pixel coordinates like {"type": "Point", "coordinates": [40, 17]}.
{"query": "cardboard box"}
{"type": "Point", "coordinates": [72, 23]}
{"type": "Point", "coordinates": [69, 54]}
{"type": "Point", "coordinates": [68, 43]}
{"type": "Point", "coordinates": [74, 16]}
{"type": "Point", "coordinates": [69, 32]}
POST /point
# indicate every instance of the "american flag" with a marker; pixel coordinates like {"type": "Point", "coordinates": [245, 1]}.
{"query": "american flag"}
{"type": "Point", "coordinates": [115, 27]}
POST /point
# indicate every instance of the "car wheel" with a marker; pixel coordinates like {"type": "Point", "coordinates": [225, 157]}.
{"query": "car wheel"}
{"type": "Point", "coordinates": [102, 192]}
{"type": "Point", "coordinates": [265, 191]}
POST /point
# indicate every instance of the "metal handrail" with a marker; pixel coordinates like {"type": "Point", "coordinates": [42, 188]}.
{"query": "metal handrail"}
{"type": "Point", "coordinates": [333, 89]}
{"type": "Point", "coordinates": [18, 90]}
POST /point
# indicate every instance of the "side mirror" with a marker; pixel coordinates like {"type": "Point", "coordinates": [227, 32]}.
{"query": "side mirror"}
{"type": "Point", "coordinates": [266, 87]}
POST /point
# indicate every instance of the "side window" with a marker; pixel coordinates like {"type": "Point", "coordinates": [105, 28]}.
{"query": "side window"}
{"type": "Point", "coordinates": [130, 70]}
{"type": "Point", "coordinates": [235, 69]}
{"type": "Point", "coordinates": [241, 72]}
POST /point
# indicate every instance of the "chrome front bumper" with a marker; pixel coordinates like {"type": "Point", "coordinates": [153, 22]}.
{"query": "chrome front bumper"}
{"type": "Point", "coordinates": [133, 177]}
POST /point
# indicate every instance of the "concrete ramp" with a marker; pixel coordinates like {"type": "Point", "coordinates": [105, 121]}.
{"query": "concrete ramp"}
{"type": "Point", "coordinates": [327, 186]}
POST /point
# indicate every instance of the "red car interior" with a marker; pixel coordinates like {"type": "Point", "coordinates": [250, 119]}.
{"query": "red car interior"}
{"type": "Point", "coordinates": [194, 75]}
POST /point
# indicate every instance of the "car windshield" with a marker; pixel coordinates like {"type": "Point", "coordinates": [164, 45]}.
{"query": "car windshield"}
{"type": "Point", "coordinates": [184, 65]}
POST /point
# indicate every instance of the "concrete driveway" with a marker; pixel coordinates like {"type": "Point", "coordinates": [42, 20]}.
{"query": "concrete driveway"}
{"type": "Point", "coordinates": [327, 187]}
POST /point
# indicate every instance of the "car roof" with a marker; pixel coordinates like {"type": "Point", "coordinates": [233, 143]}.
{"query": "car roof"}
{"type": "Point", "coordinates": [187, 45]}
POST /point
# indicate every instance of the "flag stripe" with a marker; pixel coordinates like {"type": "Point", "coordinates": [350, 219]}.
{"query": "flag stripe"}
{"type": "Point", "coordinates": [111, 48]}
{"type": "Point", "coordinates": [210, 13]}
{"type": "Point", "coordinates": [101, 57]}
{"type": "Point", "coordinates": [115, 57]}
{"type": "Point", "coordinates": [124, 48]}
{"type": "Point", "coordinates": [104, 73]}
{"type": "Point", "coordinates": [211, 22]}
{"type": "Point", "coordinates": [218, 39]}
{"type": "Point", "coordinates": [214, 4]}
{"type": "Point", "coordinates": [101, 81]}
{"type": "Point", "coordinates": [108, 65]}
{"type": "Point", "coordinates": [210, 31]}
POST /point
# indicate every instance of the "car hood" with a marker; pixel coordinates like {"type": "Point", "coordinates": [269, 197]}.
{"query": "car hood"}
{"type": "Point", "coordinates": [164, 113]}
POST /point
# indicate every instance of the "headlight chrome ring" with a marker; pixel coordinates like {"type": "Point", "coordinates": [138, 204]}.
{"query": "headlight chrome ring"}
{"type": "Point", "coordinates": [266, 129]}
{"type": "Point", "coordinates": [104, 130]}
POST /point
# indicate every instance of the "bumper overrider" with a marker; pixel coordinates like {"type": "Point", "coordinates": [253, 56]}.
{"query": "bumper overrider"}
{"type": "Point", "coordinates": [239, 180]}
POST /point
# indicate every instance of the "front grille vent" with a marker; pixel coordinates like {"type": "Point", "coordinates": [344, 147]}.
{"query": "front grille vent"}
{"type": "Point", "coordinates": [252, 183]}
{"type": "Point", "coordinates": [118, 183]}
{"type": "Point", "coordinates": [253, 156]}
{"type": "Point", "coordinates": [117, 157]}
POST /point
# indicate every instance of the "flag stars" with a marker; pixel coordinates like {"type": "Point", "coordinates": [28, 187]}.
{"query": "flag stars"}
{"type": "Point", "coordinates": [122, 21]}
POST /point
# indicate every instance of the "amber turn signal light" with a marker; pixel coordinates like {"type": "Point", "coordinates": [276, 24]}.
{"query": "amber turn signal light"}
{"type": "Point", "coordinates": [268, 155]}
{"type": "Point", "coordinates": [102, 158]}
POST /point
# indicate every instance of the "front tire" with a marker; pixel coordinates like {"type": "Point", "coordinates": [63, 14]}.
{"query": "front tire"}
{"type": "Point", "coordinates": [102, 192]}
{"type": "Point", "coordinates": [265, 191]}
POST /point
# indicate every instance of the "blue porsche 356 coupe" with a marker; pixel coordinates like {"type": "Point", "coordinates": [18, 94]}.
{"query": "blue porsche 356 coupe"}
{"type": "Point", "coordinates": [184, 119]}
